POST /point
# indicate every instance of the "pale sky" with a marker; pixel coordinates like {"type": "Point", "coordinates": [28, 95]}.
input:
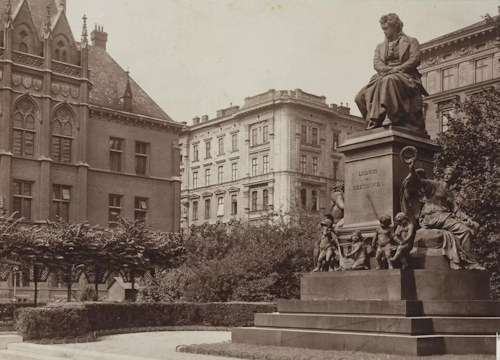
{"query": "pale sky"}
{"type": "Point", "coordinates": [194, 57]}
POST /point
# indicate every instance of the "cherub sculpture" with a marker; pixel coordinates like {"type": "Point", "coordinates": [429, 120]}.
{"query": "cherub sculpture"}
{"type": "Point", "coordinates": [383, 240]}
{"type": "Point", "coordinates": [358, 252]}
{"type": "Point", "coordinates": [404, 235]}
{"type": "Point", "coordinates": [326, 247]}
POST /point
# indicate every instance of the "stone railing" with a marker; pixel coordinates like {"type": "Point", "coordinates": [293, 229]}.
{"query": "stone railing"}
{"type": "Point", "coordinates": [66, 69]}
{"type": "Point", "coordinates": [27, 59]}
{"type": "Point", "coordinates": [284, 95]}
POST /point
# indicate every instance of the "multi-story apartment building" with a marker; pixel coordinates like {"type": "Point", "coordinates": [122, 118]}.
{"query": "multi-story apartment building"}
{"type": "Point", "coordinates": [79, 139]}
{"type": "Point", "coordinates": [277, 151]}
{"type": "Point", "coordinates": [457, 64]}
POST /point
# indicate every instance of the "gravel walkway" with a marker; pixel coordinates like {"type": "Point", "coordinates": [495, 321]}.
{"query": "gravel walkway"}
{"type": "Point", "coordinates": [156, 345]}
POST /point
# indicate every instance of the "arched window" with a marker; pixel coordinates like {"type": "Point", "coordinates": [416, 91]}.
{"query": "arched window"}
{"type": "Point", "coordinates": [57, 54]}
{"type": "Point", "coordinates": [62, 135]}
{"type": "Point", "coordinates": [23, 126]}
{"type": "Point", "coordinates": [64, 56]}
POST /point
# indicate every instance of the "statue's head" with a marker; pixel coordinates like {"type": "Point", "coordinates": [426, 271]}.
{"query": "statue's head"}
{"type": "Point", "coordinates": [391, 25]}
{"type": "Point", "coordinates": [338, 186]}
{"type": "Point", "coordinates": [356, 236]}
{"type": "Point", "coordinates": [450, 174]}
{"type": "Point", "coordinates": [385, 220]}
{"type": "Point", "coordinates": [401, 218]}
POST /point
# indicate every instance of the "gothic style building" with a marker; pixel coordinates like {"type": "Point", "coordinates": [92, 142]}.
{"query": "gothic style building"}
{"type": "Point", "coordinates": [277, 151]}
{"type": "Point", "coordinates": [79, 138]}
{"type": "Point", "coordinates": [457, 64]}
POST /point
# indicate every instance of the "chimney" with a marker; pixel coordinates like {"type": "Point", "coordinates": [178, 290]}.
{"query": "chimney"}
{"type": "Point", "coordinates": [99, 37]}
{"type": "Point", "coordinates": [61, 4]}
{"type": "Point", "coordinates": [196, 120]}
{"type": "Point", "coordinates": [204, 118]}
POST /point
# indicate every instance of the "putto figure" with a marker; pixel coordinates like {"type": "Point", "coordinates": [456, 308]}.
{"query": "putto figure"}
{"type": "Point", "coordinates": [404, 235]}
{"type": "Point", "coordinates": [358, 252]}
{"type": "Point", "coordinates": [383, 239]}
{"type": "Point", "coordinates": [326, 247]}
{"type": "Point", "coordinates": [393, 95]}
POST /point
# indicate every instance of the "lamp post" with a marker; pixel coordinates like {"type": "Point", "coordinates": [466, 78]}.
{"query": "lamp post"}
{"type": "Point", "coordinates": [15, 269]}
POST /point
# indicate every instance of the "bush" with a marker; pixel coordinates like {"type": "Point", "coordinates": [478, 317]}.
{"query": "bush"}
{"type": "Point", "coordinates": [89, 294]}
{"type": "Point", "coordinates": [80, 319]}
{"type": "Point", "coordinates": [239, 263]}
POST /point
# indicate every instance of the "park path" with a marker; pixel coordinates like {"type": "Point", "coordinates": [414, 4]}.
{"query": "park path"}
{"type": "Point", "coordinates": [156, 345]}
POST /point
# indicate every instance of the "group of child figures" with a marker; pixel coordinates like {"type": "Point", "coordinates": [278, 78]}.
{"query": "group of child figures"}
{"type": "Point", "coordinates": [386, 241]}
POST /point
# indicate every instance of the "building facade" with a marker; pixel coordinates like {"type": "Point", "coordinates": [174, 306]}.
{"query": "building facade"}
{"type": "Point", "coordinates": [79, 139]}
{"type": "Point", "coordinates": [275, 152]}
{"type": "Point", "coordinates": [456, 65]}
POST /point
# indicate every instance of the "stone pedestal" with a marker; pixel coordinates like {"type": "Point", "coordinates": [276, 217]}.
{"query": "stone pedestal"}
{"type": "Point", "coordinates": [374, 173]}
{"type": "Point", "coordinates": [404, 312]}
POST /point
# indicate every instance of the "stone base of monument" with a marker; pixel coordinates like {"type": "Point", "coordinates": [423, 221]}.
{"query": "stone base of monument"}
{"type": "Point", "coordinates": [406, 312]}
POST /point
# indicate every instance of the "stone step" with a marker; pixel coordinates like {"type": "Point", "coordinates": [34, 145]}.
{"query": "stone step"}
{"type": "Point", "coordinates": [382, 323]}
{"type": "Point", "coordinates": [393, 307]}
{"type": "Point", "coordinates": [66, 352]}
{"type": "Point", "coordinates": [396, 285]}
{"type": "Point", "coordinates": [370, 342]}
{"type": "Point", "coordinates": [8, 338]}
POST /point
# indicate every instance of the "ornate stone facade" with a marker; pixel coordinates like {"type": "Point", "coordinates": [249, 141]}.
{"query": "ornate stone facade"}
{"type": "Point", "coordinates": [69, 145]}
{"type": "Point", "coordinates": [250, 163]}
{"type": "Point", "coordinates": [456, 65]}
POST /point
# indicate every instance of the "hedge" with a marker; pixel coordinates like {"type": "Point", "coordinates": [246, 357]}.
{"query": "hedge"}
{"type": "Point", "coordinates": [81, 319]}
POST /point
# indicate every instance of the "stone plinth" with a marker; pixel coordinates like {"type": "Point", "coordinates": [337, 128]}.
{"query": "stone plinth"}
{"type": "Point", "coordinates": [374, 173]}
{"type": "Point", "coordinates": [396, 285]}
{"type": "Point", "coordinates": [405, 312]}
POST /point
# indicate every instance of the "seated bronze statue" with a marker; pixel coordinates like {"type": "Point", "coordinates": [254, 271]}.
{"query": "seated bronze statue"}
{"type": "Point", "coordinates": [393, 95]}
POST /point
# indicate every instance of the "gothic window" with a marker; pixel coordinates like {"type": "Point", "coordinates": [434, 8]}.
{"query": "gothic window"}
{"type": "Point", "coordinates": [62, 135]}
{"type": "Point", "coordinates": [24, 129]}
{"type": "Point", "coordinates": [23, 142]}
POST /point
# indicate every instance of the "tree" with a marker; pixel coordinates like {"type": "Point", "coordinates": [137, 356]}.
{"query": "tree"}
{"type": "Point", "coordinates": [471, 146]}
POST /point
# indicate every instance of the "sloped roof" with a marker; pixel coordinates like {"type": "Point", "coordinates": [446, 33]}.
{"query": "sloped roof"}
{"type": "Point", "coordinates": [109, 81]}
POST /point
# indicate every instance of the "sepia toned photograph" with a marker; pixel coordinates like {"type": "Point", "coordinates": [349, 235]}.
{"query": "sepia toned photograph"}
{"type": "Point", "coordinates": [249, 179]}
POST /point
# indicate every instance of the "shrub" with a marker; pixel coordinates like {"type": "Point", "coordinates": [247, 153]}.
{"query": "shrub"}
{"type": "Point", "coordinates": [239, 263]}
{"type": "Point", "coordinates": [89, 294]}
{"type": "Point", "coordinates": [82, 318]}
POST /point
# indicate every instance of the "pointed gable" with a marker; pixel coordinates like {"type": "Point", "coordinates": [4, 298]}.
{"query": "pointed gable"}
{"type": "Point", "coordinates": [64, 46]}
{"type": "Point", "coordinates": [25, 35]}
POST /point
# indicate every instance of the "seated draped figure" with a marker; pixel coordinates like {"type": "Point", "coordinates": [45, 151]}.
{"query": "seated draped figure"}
{"type": "Point", "coordinates": [393, 96]}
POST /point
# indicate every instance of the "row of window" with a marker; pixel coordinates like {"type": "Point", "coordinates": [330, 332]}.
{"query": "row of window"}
{"type": "Point", "coordinates": [220, 175]}
{"type": "Point", "coordinates": [116, 147]}
{"type": "Point", "coordinates": [255, 204]}
{"type": "Point", "coordinates": [208, 147]}
{"type": "Point", "coordinates": [220, 207]}
{"type": "Point", "coordinates": [22, 202]}
{"type": "Point", "coordinates": [482, 72]}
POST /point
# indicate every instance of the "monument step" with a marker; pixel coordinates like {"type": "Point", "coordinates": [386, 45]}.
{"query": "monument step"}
{"type": "Point", "coordinates": [396, 284]}
{"type": "Point", "coordinates": [382, 323]}
{"type": "Point", "coordinates": [393, 307]}
{"type": "Point", "coordinates": [371, 342]}
{"type": "Point", "coordinates": [57, 352]}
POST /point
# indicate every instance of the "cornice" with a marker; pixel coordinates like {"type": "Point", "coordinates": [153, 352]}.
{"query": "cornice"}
{"type": "Point", "coordinates": [135, 119]}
